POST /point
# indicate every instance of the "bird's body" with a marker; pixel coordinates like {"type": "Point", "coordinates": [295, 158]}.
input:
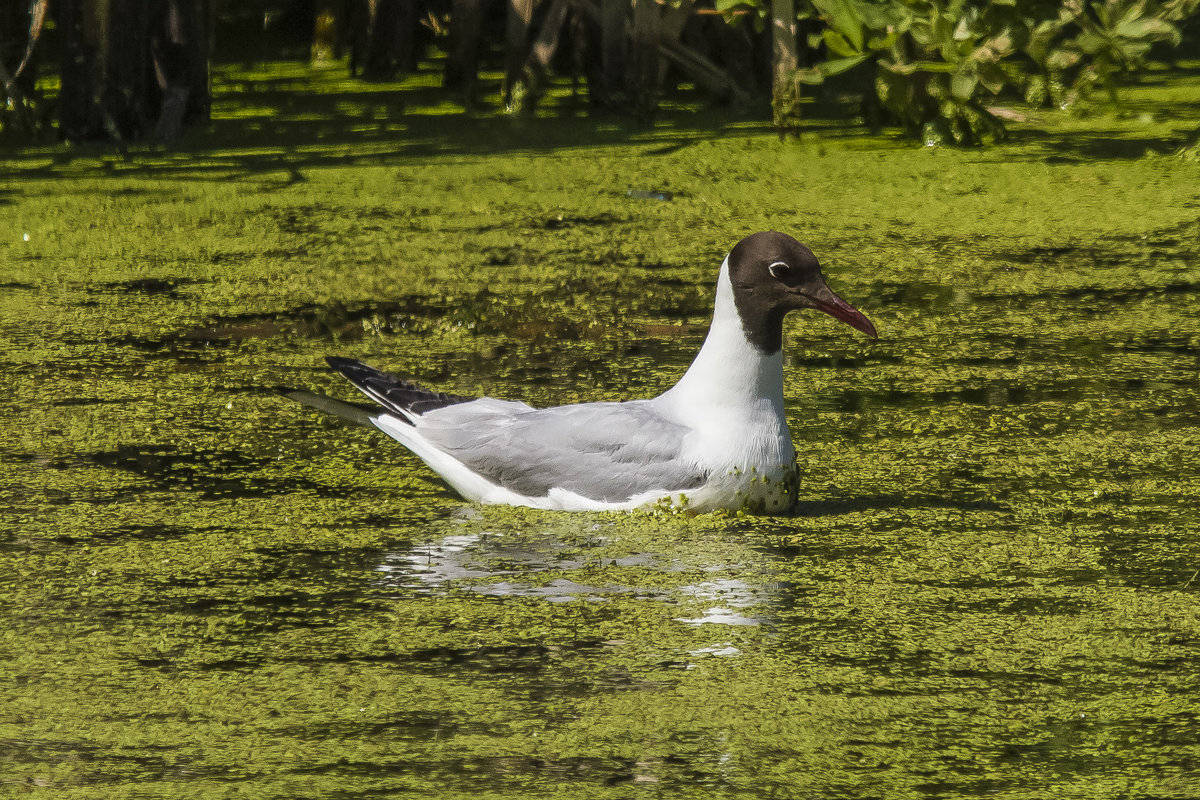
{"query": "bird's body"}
{"type": "Point", "coordinates": [717, 439]}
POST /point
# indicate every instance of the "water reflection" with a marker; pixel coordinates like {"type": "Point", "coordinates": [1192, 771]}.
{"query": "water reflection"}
{"type": "Point", "coordinates": [733, 601]}
{"type": "Point", "coordinates": [491, 565]}
{"type": "Point", "coordinates": [557, 571]}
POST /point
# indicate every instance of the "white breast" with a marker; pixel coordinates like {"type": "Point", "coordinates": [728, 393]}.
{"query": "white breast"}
{"type": "Point", "coordinates": [732, 399]}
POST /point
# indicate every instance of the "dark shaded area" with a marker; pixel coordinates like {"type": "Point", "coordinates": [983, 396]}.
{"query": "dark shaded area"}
{"type": "Point", "coordinates": [208, 475]}
{"type": "Point", "coordinates": [168, 288]}
{"type": "Point", "coordinates": [825, 508]}
{"type": "Point", "coordinates": [132, 68]}
{"type": "Point", "coordinates": [308, 130]}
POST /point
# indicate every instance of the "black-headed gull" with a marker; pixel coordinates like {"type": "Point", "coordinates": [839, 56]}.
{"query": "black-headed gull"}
{"type": "Point", "coordinates": [717, 439]}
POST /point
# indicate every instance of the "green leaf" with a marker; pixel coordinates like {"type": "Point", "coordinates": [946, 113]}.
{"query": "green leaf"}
{"type": "Point", "coordinates": [963, 84]}
{"type": "Point", "coordinates": [950, 54]}
{"type": "Point", "coordinates": [839, 65]}
{"type": "Point", "coordinates": [1134, 11]}
{"type": "Point", "coordinates": [964, 30]}
{"type": "Point", "coordinates": [1037, 92]}
{"type": "Point", "coordinates": [725, 6]}
{"type": "Point", "coordinates": [882, 16]}
{"type": "Point", "coordinates": [843, 17]}
{"type": "Point", "coordinates": [920, 31]}
{"type": "Point", "coordinates": [838, 45]}
{"type": "Point", "coordinates": [993, 77]}
{"type": "Point", "coordinates": [1091, 42]}
{"type": "Point", "coordinates": [999, 46]}
{"type": "Point", "coordinates": [1059, 60]}
{"type": "Point", "coordinates": [1133, 52]}
{"type": "Point", "coordinates": [941, 29]}
{"type": "Point", "coordinates": [932, 66]}
{"type": "Point", "coordinates": [1147, 29]}
{"type": "Point", "coordinates": [883, 42]}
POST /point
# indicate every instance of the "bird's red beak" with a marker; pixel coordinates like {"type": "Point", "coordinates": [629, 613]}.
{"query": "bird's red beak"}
{"type": "Point", "coordinates": [826, 300]}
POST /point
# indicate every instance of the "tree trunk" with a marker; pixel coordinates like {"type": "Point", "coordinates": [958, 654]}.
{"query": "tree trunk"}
{"type": "Point", "coordinates": [785, 62]}
{"type": "Point", "coordinates": [179, 52]}
{"type": "Point", "coordinates": [18, 69]}
{"type": "Point", "coordinates": [358, 33]}
{"type": "Point", "coordinates": [647, 24]}
{"type": "Point", "coordinates": [327, 30]}
{"type": "Point", "coordinates": [382, 37]}
{"type": "Point", "coordinates": [548, 36]}
{"type": "Point", "coordinates": [734, 46]}
{"type": "Point", "coordinates": [106, 83]}
{"type": "Point", "coordinates": [674, 20]}
{"type": "Point", "coordinates": [132, 67]}
{"type": "Point", "coordinates": [533, 74]}
{"type": "Point", "coordinates": [614, 49]}
{"type": "Point", "coordinates": [516, 44]}
{"type": "Point", "coordinates": [661, 35]}
{"type": "Point", "coordinates": [466, 34]}
{"type": "Point", "coordinates": [704, 72]}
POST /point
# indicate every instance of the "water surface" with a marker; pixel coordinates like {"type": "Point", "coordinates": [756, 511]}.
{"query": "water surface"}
{"type": "Point", "coordinates": [989, 587]}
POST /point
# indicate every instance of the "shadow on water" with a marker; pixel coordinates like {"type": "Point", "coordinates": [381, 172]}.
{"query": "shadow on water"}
{"type": "Point", "coordinates": [1054, 147]}
{"type": "Point", "coordinates": [287, 125]}
{"type": "Point", "coordinates": [168, 288]}
{"type": "Point", "coordinates": [207, 475]}
{"type": "Point", "coordinates": [487, 314]}
{"type": "Point", "coordinates": [890, 502]}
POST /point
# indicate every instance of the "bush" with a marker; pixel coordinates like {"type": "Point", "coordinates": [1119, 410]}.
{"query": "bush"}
{"type": "Point", "coordinates": [936, 64]}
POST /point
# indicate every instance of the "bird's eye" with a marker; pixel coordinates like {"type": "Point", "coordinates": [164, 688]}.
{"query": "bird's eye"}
{"type": "Point", "coordinates": [779, 270]}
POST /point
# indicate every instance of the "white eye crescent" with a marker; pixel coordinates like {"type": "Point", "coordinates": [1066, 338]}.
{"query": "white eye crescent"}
{"type": "Point", "coordinates": [779, 270]}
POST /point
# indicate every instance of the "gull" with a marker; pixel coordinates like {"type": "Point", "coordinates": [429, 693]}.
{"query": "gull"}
{"type": "Point", "coordinates": [718, 439]}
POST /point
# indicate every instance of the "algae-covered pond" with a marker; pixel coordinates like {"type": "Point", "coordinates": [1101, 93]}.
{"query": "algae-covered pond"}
{"type": "Point", "coordinates": [990, 586]}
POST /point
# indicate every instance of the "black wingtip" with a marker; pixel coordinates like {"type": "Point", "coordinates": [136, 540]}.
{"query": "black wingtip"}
{"type": "Point", "coordinates": [340, 364]}
{"type": "Point", "coordinates": [357, 372]}
{"type": "Point", "coordinates": [394, 394]}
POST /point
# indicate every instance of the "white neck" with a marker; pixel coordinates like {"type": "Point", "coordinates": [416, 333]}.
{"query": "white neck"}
{"type": "Point", "coordinates": [729, 372]}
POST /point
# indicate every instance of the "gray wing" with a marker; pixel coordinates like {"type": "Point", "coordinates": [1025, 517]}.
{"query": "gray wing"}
{"type": "Point", "coordinates": [603, 451]}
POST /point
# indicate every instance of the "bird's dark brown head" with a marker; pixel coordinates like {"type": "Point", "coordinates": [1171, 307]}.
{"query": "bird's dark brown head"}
{"type": "Point", "coordinates": [773, 274]}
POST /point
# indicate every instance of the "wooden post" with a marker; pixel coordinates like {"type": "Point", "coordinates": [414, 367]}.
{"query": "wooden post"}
{"type": "Point", "coordinates": [785, 62]}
